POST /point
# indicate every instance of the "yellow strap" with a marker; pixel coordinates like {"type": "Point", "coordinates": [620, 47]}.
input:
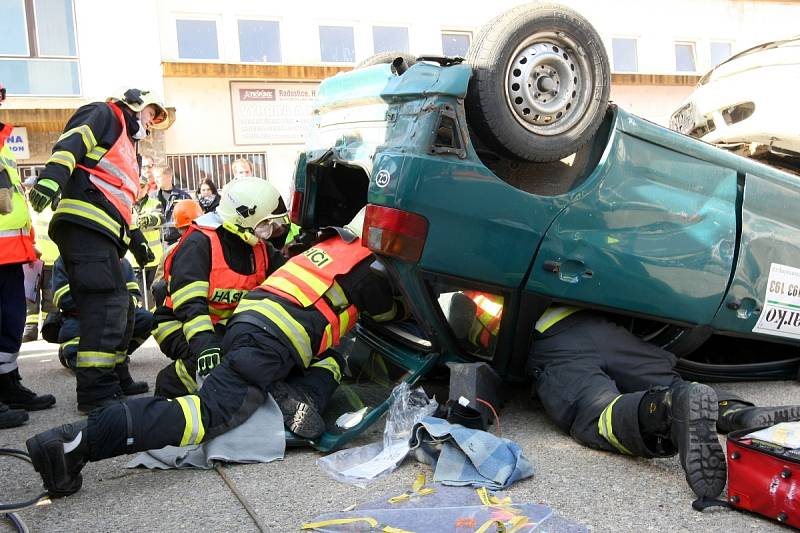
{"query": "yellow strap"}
{"type": "Point", "coordinates": [418, 489]}
{"type": "Point", "coordinates": [339, 521]}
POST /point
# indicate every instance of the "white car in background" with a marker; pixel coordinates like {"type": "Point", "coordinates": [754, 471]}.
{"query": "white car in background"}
{"type": "Point", "coordinates": [749, 104]}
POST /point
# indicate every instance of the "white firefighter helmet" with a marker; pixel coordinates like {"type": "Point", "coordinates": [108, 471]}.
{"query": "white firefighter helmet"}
{"type": "Point", "coordinates": [356, 226]}
{"type": "Point", "coordinates": [245, 202]}
{"type": "Point", "coordinates": [138, 99]}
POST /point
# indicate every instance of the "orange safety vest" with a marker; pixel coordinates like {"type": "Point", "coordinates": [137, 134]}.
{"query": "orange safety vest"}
{"type": "Point", "coordinates": [305, 278]}
{"type": "Point", "coordinates": [488, 316]}
{"type": "Point", "coordinates": [16, 231]}
{"type": "Point", "coordinates": [225, 286]}
{"type": "Point", "coordinates": [116, 175]}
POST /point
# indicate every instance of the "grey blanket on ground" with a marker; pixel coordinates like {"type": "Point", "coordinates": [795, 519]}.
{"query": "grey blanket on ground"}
{"type": "Point", "coordinates": [261, 439]}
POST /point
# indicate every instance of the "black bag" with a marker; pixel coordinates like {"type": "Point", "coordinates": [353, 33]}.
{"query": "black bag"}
{"type": "Point", "coordinates": [52, 326]}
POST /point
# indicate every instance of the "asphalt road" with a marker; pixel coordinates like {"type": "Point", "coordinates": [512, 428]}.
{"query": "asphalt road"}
{"type": "Point", "coordinates": [604, 491]}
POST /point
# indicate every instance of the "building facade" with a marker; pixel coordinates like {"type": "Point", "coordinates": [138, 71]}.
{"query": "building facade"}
{"type": "Point", "coordinates": [242, 74]}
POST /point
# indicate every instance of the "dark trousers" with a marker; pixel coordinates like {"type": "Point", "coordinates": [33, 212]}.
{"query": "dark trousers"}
{"type": "Point", "coordinates": [579, 367]}
{"type": "Point", "coordinates": [253, 360]}
{"type": "Point", "coordinates": [44, 300]}
{"type": "Point", "coordinates": [102, 302]}
{"type": "Point", "coordinates": [70, 332]}
{"type": "Point", "coordinates": [178, 378]}
{"type": "Point", "coordinates": [12, 315]}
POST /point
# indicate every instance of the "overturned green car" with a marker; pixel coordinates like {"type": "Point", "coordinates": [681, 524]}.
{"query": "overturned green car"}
{"type": "Point", "coordinates": [508, 177]}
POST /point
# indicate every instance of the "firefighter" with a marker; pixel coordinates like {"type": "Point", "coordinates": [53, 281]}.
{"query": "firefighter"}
{"type": "Point", "coordinates": [69, 332]}
{"type": "Point", "coordinates": [612, 391]}
{"type": "Point", "coordinates": [216, 262]}
{"type": "Point", "coordinates": [148, 217]}
{"type": "Point", "coordinates": [283, 326]}
{"type": "Point", "coordinates": [44, 294]}
{"type": "Point", "coordinates": [16, 249]}
{"type": "Point", "coordinates": [94, 169]}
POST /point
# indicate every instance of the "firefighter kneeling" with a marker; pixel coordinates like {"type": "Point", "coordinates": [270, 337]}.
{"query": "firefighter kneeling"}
{"type": "Point", "coordinates": [282, 326]}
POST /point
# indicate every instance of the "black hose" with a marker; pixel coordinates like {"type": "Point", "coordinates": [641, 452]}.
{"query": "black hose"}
{"type": "Point", "coordinates": [10, 508]}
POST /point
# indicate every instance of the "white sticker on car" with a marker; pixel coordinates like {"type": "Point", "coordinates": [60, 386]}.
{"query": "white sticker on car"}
{"type": "Point", "coordinates": [781, 313]}
{"type": "Point", "coordinates": [383, 178]}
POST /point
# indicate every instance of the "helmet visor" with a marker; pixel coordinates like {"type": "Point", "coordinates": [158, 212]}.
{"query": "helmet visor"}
{"type": "Point", "coordinates": [273, 227]}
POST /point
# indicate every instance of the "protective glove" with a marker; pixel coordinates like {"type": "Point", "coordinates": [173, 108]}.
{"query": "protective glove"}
{"type": "Point", "coordinates": [208, 359]}
{"type": "Point", "coordinates": [141, 252]}
{"type": "Point", "coordinates": [43, 194]}
{"type": "Point", "coordinates": [148, 221]}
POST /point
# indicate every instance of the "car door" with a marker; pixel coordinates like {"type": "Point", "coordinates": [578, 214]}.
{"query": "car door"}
{"type": "Point", "coordinates": [764, 297]}
{"type": "Point", "coordinates": [652, 232]}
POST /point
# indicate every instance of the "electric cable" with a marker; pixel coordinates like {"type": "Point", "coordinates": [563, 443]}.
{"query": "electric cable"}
{"type": "Point", "coordinates": [9, 509]}
{"type": "Point", "coordinates": [494, 412]}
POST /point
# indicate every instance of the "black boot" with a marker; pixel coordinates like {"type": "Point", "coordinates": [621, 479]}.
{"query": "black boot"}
{"type": "Point", "coordinates": [735, 415]}
{"type": "Point", "coordinates": [17, 396]}
{"type": "Point", "coordinates": [11, 418]}
{"type": "Point", "coordinates": [686, 422]}
{"type": "Point", "coordinates": [58, 455]}
{"type": "Point", "coordinates": [303, 401]}
{"type": "Point", "coordinates": [31, 332]}
{"type": "Point", "coordinates": [129, 387]}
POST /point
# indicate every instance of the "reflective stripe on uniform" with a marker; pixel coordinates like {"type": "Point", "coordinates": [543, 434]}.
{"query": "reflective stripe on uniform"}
{"type": "Point", "coordinates": [96, 359]}
{"type": "Point", "coordinates": [96, 153]}
{"type": "Point", "coordinates": [197, 325]}
{"type": "Point", "coordinates": [552, 315]}
{"type": "Point", "coordinates": [194, 431]}
{"type": "Point", "coordinates": [290, 327]}
{"type": "Point", "coordinates": [72, 342]}
{"type": "Point", "coordinates": [196, 289]}
{"type": "Point", "coordinates": [132, 286]}
{"type": "Point", "coordinates": [86, 134]}
{"type": "Point", "coordinates": [289, 288]}
{"type": "Point", "coordinates": [606, 429]}
{"type": "Point", "coordinates": [64, 158]}
{"type": "Point", "coordinates": [32, 319]}
{"type": "Point", "coordinates": [335, 296]}
{"type": "Point", "coordinates": [122, 356]}
{"type": "Point", "coordinates": [26, 231]}
{"type": "Point", "coordinates": [59, 294]}
{"type": "Point", "coordinates": [123, 198]}
{"type": "Point", "coordinates": [165, 329]}
{"type": "Point", "coordinates": [330, 364]}
{"type": "Point", "coordinates": [70, 206]}
{"type": "Point", "coordinates": [183, 375]}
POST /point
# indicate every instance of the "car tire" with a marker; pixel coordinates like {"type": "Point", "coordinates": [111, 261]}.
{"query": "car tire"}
{"type": "Point", "coordinates": [540, 82]}
{"type": "Point", "coordinates": [400, 61]}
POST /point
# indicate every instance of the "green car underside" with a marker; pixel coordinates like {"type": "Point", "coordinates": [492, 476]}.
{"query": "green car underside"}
{"type": "Point", "coordinates": [644, 221]}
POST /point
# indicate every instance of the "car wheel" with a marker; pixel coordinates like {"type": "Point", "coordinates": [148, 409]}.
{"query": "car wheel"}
{"type": "Point", "coordinates": [540, 82]}
{"type": "Point", "coordinates": [400, 61]}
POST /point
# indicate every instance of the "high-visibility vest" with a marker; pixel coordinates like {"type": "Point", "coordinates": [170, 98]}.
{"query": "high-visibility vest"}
{"type": "Point", "coordinates": [152, 236]}
{"type": "Point", "coordinates": [488, 315]}
{"type": "Point", "coordinates": [116, 174]}
{"type": "Point", "coordinates": [305, 278]}
{"type": "Point", "coordinates": [225, 287]}
{"type": "Point", "coordinates": [16, 231]}
{"type": "Point", "coordinates": [553, 315]}
{"type": "Point", "coordinates": [41, 223]}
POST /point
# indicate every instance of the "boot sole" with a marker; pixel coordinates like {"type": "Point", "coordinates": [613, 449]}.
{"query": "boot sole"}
{"type": "Point", "coordinates": [299, 417]}
{"type": "Point", "coordinates": [703, 460]}
{"type": "Point", "coordinates": [776, 415]}
{"type": "Point", "coordinates": [41, 463]}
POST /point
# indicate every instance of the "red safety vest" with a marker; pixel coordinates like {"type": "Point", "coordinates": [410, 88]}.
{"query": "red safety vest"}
{"type": "Point", "coordinates": [116, 175]}
{"type": "Point", "coordinates": [305, 278]}
{"type": "Point", "coordinates": [225, 286]}
{"type": "Point", "coordinates": [16, 231]}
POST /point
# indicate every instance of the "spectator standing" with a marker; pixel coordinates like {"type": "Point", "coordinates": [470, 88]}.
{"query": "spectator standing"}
{"type": "Point", "coordinates": [147, 174]}
{"type": "Point", "coordinates": [241, 168]}
{"type": "Point", "coordinates": [207, 195]}
{"type": "Point", "coordinates": [167, 195]}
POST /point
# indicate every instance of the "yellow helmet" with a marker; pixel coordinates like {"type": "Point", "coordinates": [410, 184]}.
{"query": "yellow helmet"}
{"type": "Point", "coordinates": [138, 99]}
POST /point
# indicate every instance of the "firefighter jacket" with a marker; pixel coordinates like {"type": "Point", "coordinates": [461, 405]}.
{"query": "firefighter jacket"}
{"type": "Point", "coordinates": [16, 230]}
{"type": "Point", "coordinates": [314, 299]}
{"type": "Point", "coordinates": [94, 163]}
{"type": "Point", "coordinates": [552, 316]}
{"type": "Point", "coordinates": [148, 205]}
{"type": "Point", "coordinates": [61, 293]}
{"type": "Point", "coordinates": [207, 274]}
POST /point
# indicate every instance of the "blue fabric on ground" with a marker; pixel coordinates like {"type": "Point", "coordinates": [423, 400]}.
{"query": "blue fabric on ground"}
{"type": "Point", "coordinates": [464, 456]}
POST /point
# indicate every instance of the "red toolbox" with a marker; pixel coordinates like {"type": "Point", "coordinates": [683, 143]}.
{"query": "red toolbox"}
{"type": "Point", "coordinates": [764, 478]}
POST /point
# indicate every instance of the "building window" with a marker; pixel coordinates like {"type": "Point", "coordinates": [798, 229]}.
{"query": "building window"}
{"type": "Point", "coordinates": [625, 55]}
{"type": "Point", "coordinates": [38, 48]}
{"type": "Point", "coordinates": [455, 43]}
{"type": "Point", "coordinates": [684, 57]}
{"type": "Point", "coordinates": [720, 51]}
{"type": "Point", "coordinates": [197, 39]}
{"type": "Point", "coordinates": [259, 41]}
{"type": "Point", "coordinates": [390, 39]}
{"type": "Point", "coordinates": [336, 44]}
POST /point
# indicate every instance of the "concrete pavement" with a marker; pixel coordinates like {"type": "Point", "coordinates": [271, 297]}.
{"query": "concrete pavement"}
{"type": "Point", "coordinates": [608, 492]}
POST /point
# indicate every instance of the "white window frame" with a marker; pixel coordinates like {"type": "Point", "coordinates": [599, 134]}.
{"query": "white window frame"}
{"type": "Point", "coordinates": [636, 52]}
{"type": "Point", "coordinates": [75, 32]}
{"type": "Point", "coordinates": [27, 53]}
{"type": "Point", "coordinates": [691, 43]}
{"type": "Point", "coordinates": [455, 31]}
{"type": "Point", "coordinates": [340, 24]}
{"type": "Point", "coordinates": [259, 18]}
{"type": "Point", "coordinates": [214, 17]}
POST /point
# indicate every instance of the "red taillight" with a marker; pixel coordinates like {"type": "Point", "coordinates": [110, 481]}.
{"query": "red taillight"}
{"type": "Point", "coordinates": [394, 232]}
{"type": "Point", "coordinates": [294, 208]}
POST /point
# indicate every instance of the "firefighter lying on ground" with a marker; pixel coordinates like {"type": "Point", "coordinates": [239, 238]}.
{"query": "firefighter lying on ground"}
{"type": "Point", "coordinates": [284, 325]}
{"type": "Point", "coordinates": [69, 332]}
{"type": "Point", "coordinates": [94, 169]}
{"type": "Point", "coordinates": [215, 263]}
{"type": "Point", "coordinates": [612, 391]}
